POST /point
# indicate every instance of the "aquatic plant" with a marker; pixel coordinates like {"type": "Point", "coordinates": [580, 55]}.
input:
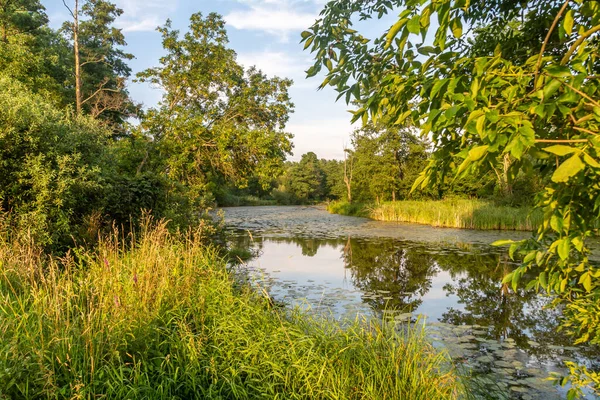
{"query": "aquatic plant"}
{"type": "Point", "coordinates": [450, 213]}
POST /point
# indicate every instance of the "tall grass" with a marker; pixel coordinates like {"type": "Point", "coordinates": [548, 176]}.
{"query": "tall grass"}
{"type": "Point", "coordinates": [159, 316]}
{"type": "Point", "coordinates": [455, 213]}
{"type": "Point", "coordinates": [345, 208]}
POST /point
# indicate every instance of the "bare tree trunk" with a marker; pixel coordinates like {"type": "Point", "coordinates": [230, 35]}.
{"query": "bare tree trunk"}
{"type": "Point", "coordinates": [348, 179]}
{"type": "Point", "coordinates": [77, 62]}
{"type": "Point", "coordinates": [393, 196]}
{"type": "Point", "coordinates": [75, 14]}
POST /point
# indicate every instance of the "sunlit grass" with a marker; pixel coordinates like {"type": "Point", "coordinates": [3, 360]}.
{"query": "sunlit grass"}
{"type": "Point", "coordinates": [160, 316]}
{"type": "Point", "coordinates": [452, 213]}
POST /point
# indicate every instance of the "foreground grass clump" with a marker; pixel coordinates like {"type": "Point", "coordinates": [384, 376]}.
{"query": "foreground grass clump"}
{"type": "Point", "coordinates": [160, 316]}
{"type": "Point", "coordinates": [453, 213]}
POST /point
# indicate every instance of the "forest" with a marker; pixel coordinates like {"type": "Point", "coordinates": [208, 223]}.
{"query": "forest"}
{"type": "Point", "coordinates": [114, 277]}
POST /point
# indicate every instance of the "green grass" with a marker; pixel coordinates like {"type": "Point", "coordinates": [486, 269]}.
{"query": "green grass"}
{"type": "Point", "coordinates": [452, 213]}
{"type": "Point", "coordinates": [345, 208]}
{"type": "Point", "coordinates": [160, 316]}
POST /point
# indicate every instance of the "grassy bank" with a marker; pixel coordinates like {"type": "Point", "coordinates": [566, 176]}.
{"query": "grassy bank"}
{"type": "Point", "coordinates": [160, 316]}
{"type": "Point", "coordinates": [451, 213]}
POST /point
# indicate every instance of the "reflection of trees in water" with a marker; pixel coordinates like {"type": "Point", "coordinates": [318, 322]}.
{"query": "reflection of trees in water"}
{"type": "Point", "coordinates": [404, 271]}
{"type": "Point", "coordinates": [401, 276]}
{"type": "Point", "coordinates": [487, 301]}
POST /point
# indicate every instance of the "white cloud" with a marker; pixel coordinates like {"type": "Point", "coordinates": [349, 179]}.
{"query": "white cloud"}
{"type": "Point", "coordinates": [144, 15]}
{"type": "Point", "coordinates": [327, 138]}
{"type": "Point", "coordinates": [270, 20]}
{"type": "Point", "coordinates": [277, 63]}
{"type": "Point", "coordinates": [141, 25]}
{"type": "Point", "coordinates": [275, 17]}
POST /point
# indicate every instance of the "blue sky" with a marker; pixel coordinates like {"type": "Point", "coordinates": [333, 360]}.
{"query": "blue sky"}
{"type": "Point", "coordinates": [264, 33]}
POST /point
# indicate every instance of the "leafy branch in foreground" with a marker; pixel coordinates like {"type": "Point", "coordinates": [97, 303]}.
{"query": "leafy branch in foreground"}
{"type": "Point", "coordinates": [493, 84]}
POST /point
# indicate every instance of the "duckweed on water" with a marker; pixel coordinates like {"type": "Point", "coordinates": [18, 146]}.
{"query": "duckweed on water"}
{"type": "Point", "coordinates": [161, 317]}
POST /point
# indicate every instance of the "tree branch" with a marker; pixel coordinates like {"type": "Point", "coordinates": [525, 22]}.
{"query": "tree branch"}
{"type": "Point", "coordinates": [547, 39]}
{"type": "Point", "coordinates": [561, 140]}
{"type": "Point", "coordinates": [68, 8]}
{"type": "Point", "coordinates": [578, 42]}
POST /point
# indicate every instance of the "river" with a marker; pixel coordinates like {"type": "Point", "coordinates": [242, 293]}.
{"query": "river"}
{"type": "Point", "coordinates": [447, 279]}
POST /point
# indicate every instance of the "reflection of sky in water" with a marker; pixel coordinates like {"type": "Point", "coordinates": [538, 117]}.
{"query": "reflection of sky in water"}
{"type": "Point", "coordinates": [437, 300]}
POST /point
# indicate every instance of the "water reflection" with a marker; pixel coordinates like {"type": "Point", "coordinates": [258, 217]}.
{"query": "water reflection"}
{"type": "Point", "coordinates": [496, 332]}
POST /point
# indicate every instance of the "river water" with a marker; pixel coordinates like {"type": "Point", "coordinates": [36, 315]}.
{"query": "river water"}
{"type": "Point", "coordinates": [448, 279]}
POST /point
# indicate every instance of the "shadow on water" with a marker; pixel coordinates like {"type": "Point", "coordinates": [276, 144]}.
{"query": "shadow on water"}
{"type": "Point", "coordinates": [510, 341]}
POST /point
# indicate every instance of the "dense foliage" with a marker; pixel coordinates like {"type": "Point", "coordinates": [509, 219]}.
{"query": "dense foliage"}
{"type": "Point", "coordinates": [72, 164]}
{"type": "Point", "coordinates": [499, 87]}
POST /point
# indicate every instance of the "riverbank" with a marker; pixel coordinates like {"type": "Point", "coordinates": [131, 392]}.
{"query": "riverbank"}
{"type": "Point", "coordinates": [451, 213]}
{"type": "Point", "coordinates": [161, 316]}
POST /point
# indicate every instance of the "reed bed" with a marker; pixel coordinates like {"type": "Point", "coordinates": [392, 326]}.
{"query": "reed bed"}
{"type": "Point", "coordinates": [158, 316]}
{"type": "Point", "coordinates": [454, 213]}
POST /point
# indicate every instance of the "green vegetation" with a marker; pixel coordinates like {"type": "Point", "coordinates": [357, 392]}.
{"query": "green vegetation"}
{"type": "Point", "coordinates": [71, 165]}
{"type": "Point", "coordinates": [347, 208]}
{"type": "Point", "coordinates": [159, 316]}
{"type": "Point", "coordinates": [448, 213]}
{"type": "Point", "coordinates": [501, 88]}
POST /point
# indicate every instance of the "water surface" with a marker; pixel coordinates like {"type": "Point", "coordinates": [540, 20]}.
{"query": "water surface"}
{"type": "Point", "coordinates": [451, 278]}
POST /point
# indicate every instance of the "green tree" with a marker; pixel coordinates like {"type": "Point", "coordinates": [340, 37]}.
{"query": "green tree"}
{"type": "Point", "coordinates": [31, 52]}
{"type": "Point", "coordinates": [51, 165]}
{"type": "Point", "coordinates": [217, 122]}
{"type": "Point", "coordinates": [385, 160]}
{"type": "Point", "coordinates": [99, 62]}
{"type": "Point", "coordinates": [481, 102]}
{"type": "Point", "coordinates": [305, 180]}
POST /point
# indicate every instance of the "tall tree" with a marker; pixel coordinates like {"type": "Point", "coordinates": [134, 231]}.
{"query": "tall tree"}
{"type": "Point", "coordinates": [31, 52]}
{"type": "Point", "coordinates": [217, 122]}
{"type": "Point", "coordinates": [100, 63]}
{"type": "Point", "coordinates": [527, 87]}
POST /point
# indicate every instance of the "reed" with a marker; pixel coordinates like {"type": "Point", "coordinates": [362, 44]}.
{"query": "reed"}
{"type": "Point", "coordinates": [158, 316]}
{"type": "Point", "coordinates": [453, 213]}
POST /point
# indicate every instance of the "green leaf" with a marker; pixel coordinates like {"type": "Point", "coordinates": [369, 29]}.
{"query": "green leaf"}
{"type": "Point", "coordinates": [561, 150]}
{"type": "Point", "coordinates": [559, 71]}
{"type": "Point", "coordinates": [515, 279]}
{"type": "Point", "coordinates": [478, 152]}
{"type": "Point", "coordinates": [543, 280]}
{"type": "Point", "coordinates": [586, 281]}
{"type": "Point", "coordinates": [590, 161]}
{"type": "Point", "coordinates": [551, 88]}
{"type": "Point", "coordinates": [393, 32]}
{"type": "Point", "coordinates": [563, 248]}
{"type": "Point", "coordinates": [568, 22]}
{"type": "Point", "coordinates": [414, 26]}
{"type": "Point", "coordinates": [568, 169]}
{"type": "Point", "coordinates": [503, 242]}
{"type": "Point", "coordinates": [457, 28]}
{"type": "Point", "coordinates": [306, 34]}
{"type": "Point", "coordinates": [507, 278]}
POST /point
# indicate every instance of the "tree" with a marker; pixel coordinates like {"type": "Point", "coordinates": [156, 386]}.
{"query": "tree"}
{"type": "Point", "coordinates": [306, 180]}
{"type": "Point", "coordinates": [99, 62]}
{"type": "Point", "coordinates": [384, 158]}
{"type": "Point", "coordinates": [31, 52]}
{"type": "Point", "coordinates": [217, 122]}
{"type": "Point", "coordinates": [479, 101]}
